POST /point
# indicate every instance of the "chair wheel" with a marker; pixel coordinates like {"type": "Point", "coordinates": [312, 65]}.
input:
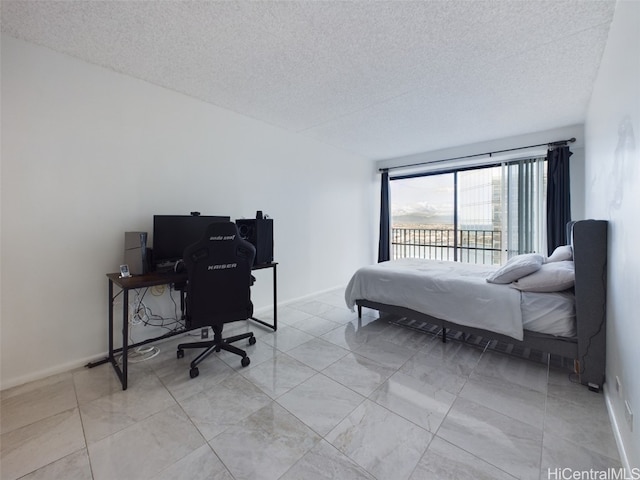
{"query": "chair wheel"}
{"type": "Point", "coordinates": [245, 361]}
{"type": "Point", "coordinates": [194, 372]}
{"type": "Point", "coordinates": [252, 340]}
{"type": "Point", "coordinates": [180, 353]}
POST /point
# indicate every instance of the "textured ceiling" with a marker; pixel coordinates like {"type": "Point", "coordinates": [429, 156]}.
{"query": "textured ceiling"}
{"type": "Point", "coordinates": [381, 79]}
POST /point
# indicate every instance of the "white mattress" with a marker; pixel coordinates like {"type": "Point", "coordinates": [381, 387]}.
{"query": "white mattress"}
{"type": "Point", "coordinates": [550, 313]}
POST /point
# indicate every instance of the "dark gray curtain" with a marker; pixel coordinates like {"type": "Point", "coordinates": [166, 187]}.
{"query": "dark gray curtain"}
{"type": "Point", "coordinates": [558, 197]}
{"type": "Point", "coordinates": [384, 245]}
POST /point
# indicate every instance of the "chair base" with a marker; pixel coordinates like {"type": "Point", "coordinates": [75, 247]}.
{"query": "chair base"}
{"type": "Point", "coordinates": [218, 343]}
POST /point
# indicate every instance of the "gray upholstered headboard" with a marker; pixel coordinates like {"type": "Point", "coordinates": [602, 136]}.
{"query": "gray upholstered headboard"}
{"type": "Point", "coordinates": [589, 240]}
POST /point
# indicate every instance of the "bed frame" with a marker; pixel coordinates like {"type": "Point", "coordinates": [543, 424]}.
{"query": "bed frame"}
{"type": "Point", "coordinates": [587, 348]}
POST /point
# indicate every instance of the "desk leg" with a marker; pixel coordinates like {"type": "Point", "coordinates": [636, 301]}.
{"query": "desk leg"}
{"type": "Point", "coordinates": [275, 302]}
{"type": "Point", "coordinates": [111, 359]}
{"type": "Point", "coordinates": [275, 299]}
{"type": "Point", "coordinates": [121, 372]}
{"type": "Point", "coordinates": [125, 337]}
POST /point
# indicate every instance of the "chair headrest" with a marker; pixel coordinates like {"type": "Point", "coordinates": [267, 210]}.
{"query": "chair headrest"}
{"type": "Point", "coordinates": [220, 241]}
{"type": "Point", "coordinates": [221, 231]}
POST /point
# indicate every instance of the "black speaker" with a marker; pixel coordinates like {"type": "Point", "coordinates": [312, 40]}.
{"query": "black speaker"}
{"type": "Point", "coordinates": [259, 232]}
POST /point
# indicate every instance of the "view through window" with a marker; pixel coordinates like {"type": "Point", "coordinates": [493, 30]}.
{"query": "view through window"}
{"type": "Point", "coordinates": [482, 215]}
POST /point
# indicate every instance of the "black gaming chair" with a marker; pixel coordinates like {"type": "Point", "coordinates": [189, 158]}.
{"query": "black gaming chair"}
{"type": "Point", "coordinates": [218, 289]}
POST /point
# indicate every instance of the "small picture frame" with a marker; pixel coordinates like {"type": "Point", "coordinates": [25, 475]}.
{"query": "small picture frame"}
{"type": "Point", "coordinates": [124, 271]}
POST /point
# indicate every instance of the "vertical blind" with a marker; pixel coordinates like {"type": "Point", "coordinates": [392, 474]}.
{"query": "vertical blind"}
{"type": "Point", "coordinates": [525, 206]}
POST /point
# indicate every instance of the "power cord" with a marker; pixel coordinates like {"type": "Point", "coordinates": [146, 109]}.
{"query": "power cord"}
{"type": "Point", "coordinates": [141, 354]}
{"type": "Point", "coordinates": [157, 290]}
{"type": "Point", "coordinates": [141, 314]}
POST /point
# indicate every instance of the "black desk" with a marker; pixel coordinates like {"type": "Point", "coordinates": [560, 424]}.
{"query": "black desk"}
{"type": "Point", "coordinates": [275, 294]}
{"type": "Point", "coordinates": [150, 280]}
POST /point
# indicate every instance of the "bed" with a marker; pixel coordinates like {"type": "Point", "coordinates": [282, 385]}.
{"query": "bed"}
{"type": "Point", "coordinates": [453, 296]}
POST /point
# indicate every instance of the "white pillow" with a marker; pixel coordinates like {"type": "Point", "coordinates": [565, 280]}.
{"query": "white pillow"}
{"type": "Point", "coordinates": [552, 277]}
{"type": "Point", "coordinates": [517, 267]}
{"type": "Point", "coordinates": [560, 254]}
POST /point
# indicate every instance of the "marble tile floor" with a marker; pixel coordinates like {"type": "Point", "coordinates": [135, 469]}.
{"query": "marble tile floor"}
{"type": "Point", "coordinates": [325, 397]}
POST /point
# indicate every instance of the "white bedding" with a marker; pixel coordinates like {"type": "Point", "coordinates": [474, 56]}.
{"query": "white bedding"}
{"type": "Point", "coordinates": [550, 313]}
{"type": "Point", "coordinates": [452, 291]}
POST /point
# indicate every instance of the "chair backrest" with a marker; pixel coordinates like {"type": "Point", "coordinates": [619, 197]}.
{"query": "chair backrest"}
{"type": "Point", "coordinates": [219, 277]}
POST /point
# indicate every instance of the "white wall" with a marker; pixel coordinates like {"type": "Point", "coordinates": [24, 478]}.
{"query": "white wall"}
{"type": "Point", "coordinates": [613, 193]}
{"type": "Point", "coordinates": [88, 154]}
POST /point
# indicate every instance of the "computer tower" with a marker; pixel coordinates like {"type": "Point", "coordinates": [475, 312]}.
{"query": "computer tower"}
{"type": "Point", "coordinates": [135, 252]}
{"type": "Point", "coordinates": [259, 232]}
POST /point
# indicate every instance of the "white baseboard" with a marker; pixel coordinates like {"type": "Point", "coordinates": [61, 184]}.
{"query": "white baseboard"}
{"type": "Point", "coordinates": [62, 368]}
{"type": "Point", "coordinates": [624, 459]}
{"type": "Point", "coordinates": [66, 367]}
{"type": "Point", "coordinates": [311, 295]}
{"type": "Point", "coordinates": [47, 372]}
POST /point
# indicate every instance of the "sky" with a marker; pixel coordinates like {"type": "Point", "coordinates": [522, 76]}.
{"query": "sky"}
{"type": "Point", "coordinates": [428, 199]}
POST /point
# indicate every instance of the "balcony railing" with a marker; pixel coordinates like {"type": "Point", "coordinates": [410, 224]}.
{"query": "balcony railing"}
{"type": "Point", "coordinates": [473, 246]}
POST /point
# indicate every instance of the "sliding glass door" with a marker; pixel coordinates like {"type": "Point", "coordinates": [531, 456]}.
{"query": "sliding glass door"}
{"type": "Point", "coordinates": [481, 215]}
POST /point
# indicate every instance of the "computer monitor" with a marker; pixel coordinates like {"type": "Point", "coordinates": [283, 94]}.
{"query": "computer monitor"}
{"type": "Point", "coordinates": [173, 233]}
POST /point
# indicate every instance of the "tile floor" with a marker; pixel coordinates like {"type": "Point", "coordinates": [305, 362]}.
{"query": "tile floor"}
{"type": "Point", "coordinates": [325, 397]}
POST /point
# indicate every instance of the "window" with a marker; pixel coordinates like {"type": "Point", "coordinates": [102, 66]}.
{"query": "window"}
{"type": "Point", "coordinates": [476, 215]}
